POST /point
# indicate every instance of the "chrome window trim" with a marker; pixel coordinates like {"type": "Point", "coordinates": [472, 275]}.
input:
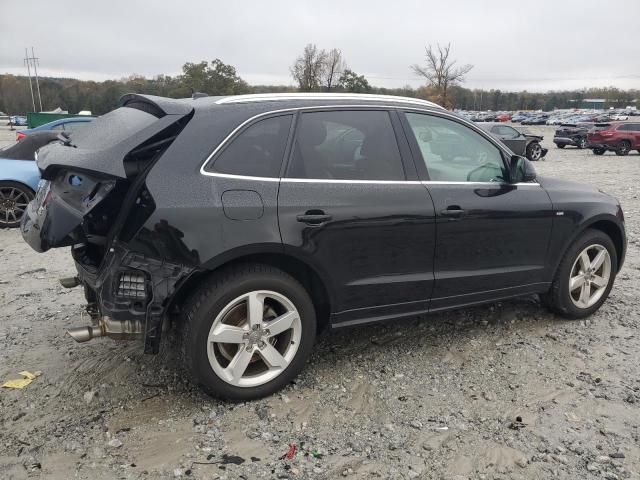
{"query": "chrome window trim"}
{"type": "Point", "coordinates": [266, 97]}
{"type": "Point", "coordinates": [331, 180]}
{"type": "Point", "coordinates": [374, 182]}
{"type": "Point", "coordinates": [292, 110]}
{"type": "Point", "coordinates": [226, 139]}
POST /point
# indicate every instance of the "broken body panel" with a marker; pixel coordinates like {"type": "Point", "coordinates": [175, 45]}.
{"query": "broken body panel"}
{"type": "Point", "coordinates": [94, 198]}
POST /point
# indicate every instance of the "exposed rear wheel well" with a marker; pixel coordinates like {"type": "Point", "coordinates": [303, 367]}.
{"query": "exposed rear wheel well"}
{"type": "Point", "coordinates": [294, 267]}
{"type": "Point", "coordinates": [612, 230]}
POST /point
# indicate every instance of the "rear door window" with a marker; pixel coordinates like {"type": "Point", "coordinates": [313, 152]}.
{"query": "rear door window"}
{"type": "Point", "coordinates": [257, 151]}
{"type": "Point", "coordinates": [346, 145]}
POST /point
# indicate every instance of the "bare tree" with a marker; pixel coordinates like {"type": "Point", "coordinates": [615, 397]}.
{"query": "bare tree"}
{"type": "Point", "coordinates": [308, 68]}
{"type": "Point", "coordinates": [441, 72]}
{"type": "Point", "coordinates": [334, 66]}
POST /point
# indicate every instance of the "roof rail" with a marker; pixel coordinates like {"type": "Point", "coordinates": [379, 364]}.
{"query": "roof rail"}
{"type": "Point", "coordinates": [270, 97]}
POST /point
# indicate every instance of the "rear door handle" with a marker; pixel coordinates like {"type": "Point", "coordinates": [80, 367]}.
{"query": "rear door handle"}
{"type": "Point", "coordinates": [314, 217]}
{"type": "Point", "coordinates": [453, 211]}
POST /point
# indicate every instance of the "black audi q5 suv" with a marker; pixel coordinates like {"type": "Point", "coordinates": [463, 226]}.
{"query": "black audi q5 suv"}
{"type": "Point", "coordinates": [250, 223]}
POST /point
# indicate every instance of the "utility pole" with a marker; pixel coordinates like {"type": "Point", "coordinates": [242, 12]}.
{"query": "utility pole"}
{"type": "Point", "coordinates": [27, 62]}
{"type": "Point", "coordinates": [35, 70]}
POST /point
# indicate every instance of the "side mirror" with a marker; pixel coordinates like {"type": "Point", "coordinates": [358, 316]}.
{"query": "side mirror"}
{"type": "Point", "coordinates": [522, 170]}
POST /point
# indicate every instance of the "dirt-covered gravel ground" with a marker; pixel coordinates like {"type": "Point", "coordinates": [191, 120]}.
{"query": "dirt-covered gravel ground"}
{"type": "Point", "coordinates": [500, 391]}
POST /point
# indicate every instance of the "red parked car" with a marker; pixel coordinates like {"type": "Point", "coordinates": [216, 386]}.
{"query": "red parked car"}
{"type": "Point", "coordinates": [503, 117]}
{"type": "Point", "coordinates": [620, 137]}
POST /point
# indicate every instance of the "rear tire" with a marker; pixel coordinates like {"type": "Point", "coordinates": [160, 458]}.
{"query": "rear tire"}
{"type": "Point", "coordinates": [223, 349]}
{"type": "Point", "coordinates": [14, 198]}
{"type": "Point", "coordinates": [561, 145]}
{"type": "Point", "coordinates": [582, 143]}
{"type": "Point", "coordinates": [573, 277]}
{"type": "Point", "coordinates": [599, 151]}
{"type": "Point", "coordinates": [623, 148]}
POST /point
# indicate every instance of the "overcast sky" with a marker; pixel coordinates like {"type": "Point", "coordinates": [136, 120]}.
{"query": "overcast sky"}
{"type": "Point", "coordinates": [536, 45]}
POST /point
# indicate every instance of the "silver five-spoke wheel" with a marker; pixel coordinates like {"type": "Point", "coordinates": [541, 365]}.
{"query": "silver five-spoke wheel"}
{"type": "Point", "coordinates": [589, 276]}
{"type": "Point", "coordinates": [254, 338]}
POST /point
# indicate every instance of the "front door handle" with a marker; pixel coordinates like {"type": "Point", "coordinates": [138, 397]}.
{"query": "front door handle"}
{"type": "Point", "coordinates": [452, 211]}
{"type": "Point", "coordinates": [314, 217]}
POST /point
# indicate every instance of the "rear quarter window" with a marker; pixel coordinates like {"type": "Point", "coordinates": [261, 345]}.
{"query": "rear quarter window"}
{"type": "Point", "coordinates": [257, 151]}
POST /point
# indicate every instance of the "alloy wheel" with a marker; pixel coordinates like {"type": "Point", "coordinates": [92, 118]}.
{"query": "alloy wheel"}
{"type": "Point", "coordinates": [254, 338]}
{"type": "Point", "coordinates": [590, 275]}
{"type": "Point", "coordinates": [624, 148]}
{"type": "Point", "coordinates": [536, 151]}
{"type": "Point", "coordinates": [13, 203]}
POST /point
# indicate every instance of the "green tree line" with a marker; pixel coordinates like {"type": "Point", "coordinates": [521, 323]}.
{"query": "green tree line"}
{"type": "Point", "coordinates": [218, 78]}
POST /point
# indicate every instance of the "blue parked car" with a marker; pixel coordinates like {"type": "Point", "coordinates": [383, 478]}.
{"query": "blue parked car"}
{"type": "Point", "coordinates": [19, 176]}
{"type": "Point", "coordinates": [63, 125]}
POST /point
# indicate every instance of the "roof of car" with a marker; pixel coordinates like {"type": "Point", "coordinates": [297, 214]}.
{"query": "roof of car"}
{"type": "Point", "coordinates": [282, 100]}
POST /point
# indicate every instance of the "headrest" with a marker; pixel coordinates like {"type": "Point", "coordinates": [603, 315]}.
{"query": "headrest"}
{"type": "Point", "coordinates": [312, 131]}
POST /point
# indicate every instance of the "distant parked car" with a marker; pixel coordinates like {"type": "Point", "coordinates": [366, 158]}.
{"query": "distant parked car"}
{"type": "Point", "coordinates": [620, 116]}
{"type": "Point", "coordinates": [62, 125]}
{"type": "Point", "coordinates": [520, 143]}
{"type": "Point", "coordinates": [19, 176]}
{"type": "Point", "coordinates": [620, 137]}
{"type": "Point", "coordinates": [17, 120]}
{"type": "Point", "coordinates": [503, 117]}
{"type": "Point", "coordinates": [574, 135]}
{"type": "Point", "coordinates": [537, 120]}
{"type": "Point", "coordinates": [519, 117]}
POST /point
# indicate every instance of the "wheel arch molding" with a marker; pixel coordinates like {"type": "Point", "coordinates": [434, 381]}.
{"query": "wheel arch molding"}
{"type": "Point", "coordinates": [607, 223]}
{"type": "Point", "coordinates": [304, 270]}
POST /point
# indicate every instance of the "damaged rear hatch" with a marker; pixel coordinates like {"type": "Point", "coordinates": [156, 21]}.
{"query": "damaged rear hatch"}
{"type": "Point", "coordinates": [92, 180]}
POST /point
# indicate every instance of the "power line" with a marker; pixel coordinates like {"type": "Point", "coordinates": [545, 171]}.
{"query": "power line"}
{"type": "Point", "coordinates": [35, 70]}
{"type": "Point", "coordinates": [32, 61]}
{"type": "Point", "coordinates": [27, 62]}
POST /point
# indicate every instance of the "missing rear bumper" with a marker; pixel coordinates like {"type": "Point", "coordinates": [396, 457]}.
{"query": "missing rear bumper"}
{"type": "Point", "coordinates": [129, 294]}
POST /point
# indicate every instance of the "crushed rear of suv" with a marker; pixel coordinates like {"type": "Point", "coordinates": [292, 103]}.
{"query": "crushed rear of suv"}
{"type": "Point", "coordinates": [574, 135]}
{"type": "Point", "coordinates": [249, 223]}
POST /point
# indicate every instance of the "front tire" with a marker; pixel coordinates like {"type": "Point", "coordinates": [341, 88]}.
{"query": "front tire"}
{"type": "Point", "coordinates": [560, 145]}
{"type": "Point", "coordinates": [585, 276]}
{"type": "Point", "coordinates": [534, 151]}
{"type": "Point", "coordinates": [14, 198]}
{"type": "Point", "coordinates": [247, 332]}
{"type": "Point", "coordinates": [598, 151]}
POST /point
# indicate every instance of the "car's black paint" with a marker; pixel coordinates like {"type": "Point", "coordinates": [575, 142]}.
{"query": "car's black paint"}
{"type": "Point", "coordinates": [379, 250]}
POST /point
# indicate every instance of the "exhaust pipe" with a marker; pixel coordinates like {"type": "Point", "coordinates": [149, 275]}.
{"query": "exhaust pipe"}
{"type": "Point", "coordinates": [119, 329]}
{"type": "Point", "coordinates": [84, 334]}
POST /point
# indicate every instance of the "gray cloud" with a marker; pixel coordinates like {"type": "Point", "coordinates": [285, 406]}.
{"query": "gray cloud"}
{"type": "Point", "coordinates": [514, 45]}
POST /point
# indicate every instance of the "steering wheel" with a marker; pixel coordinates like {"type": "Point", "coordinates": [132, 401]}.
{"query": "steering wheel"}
{"type": "Point", "coordinates": [480, 168]}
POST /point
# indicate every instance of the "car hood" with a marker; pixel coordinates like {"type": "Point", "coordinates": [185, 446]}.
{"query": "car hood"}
{"type": "Point", "coordinates": [562, 190]}
{"type": "Point", "coordinates": [533, 137]}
